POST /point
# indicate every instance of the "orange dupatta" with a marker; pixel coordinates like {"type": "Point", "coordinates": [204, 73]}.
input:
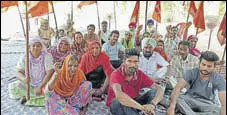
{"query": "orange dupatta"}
{"type": "Point", "coordinates": [64, 85]}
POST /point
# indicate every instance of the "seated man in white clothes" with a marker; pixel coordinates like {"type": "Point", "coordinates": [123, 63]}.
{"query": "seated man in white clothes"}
{"type": "Point", "coordinates": [149, 60]}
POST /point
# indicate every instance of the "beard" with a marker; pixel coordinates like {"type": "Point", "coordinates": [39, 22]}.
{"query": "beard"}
{"type": "Point", "coordinates": [147, 54]}
{"type": "Point", "coordinates": [204, 72]}
{"type": "Point", "coordinates": [131, 70]}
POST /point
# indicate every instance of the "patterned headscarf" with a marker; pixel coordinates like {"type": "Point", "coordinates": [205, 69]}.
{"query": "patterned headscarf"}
{"type": "Point", "coordinates": [59, 56]}
{"type": "Point", "coordinates": [65, 86]}
{"type": "Point", "coordinates": [79, 48]}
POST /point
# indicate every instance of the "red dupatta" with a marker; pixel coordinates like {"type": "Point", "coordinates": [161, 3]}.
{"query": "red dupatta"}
{"type": "Point", "coordinates": [89, 63]}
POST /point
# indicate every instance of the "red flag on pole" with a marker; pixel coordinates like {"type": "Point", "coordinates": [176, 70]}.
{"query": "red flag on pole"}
{"type": "Point", "coordinates": [85, 3]}
{"type": "Point", "coordinates": [222, 31]}
{"type": "Point", "coordinates": [192, 9]}
{"type": "Point", "coordinates": [157, 12]}
{"type": "Point", "coordinates": [135, 14]}
{"type": "Point", "coordinates": [8, 3]}
{"type": "Point", "coordinates": [40, 9]}
{"type": "Point", "coordinates": [199, 19]}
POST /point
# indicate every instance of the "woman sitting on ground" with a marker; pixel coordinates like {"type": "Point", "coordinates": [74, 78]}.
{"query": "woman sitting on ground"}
{"type": "Point", "coordinates": [40, 71]}
{"type": "Point", "coordinates": [68, 92]}
{"type": "Point", "coordinates": [79, 46]}
{"type": "Point", "coordinates": [61, 51]}
{"type": "Point", "coordinates": [97, 68]}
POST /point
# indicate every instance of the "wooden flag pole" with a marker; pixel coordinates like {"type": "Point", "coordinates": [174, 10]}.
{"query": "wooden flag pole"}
{"type": "Point", "coordinates": [146, 16]}
{"type": "Point", "coordinates": [48, 18]}
{"type": "Point", "coordinates": [51, 2]}
{"type": "Point", "coordinates": [72, 11]}
{"type": "Point", "coordinates": [156, 26]}
{"type": "Point", "coordinates": [211, 30]}
{"type": "Point", "coordinates": [224, 53]}
{"type": "Point", "coordinates": [27, 55]}
{"type": "Point", "coordinates": [109, 23]}
{"type": "Point", "coordinates": [115, 19]}
{"type": "Point", "coordinates": [188, 14]}
{"type": "Point", "coordinates": [138, 15]}
{"type": "Point", "coordinates": [98, 15]}
{"type": "Point", "coordinates": [223, 57]}
{"type": "Point", "coordinates": [197, 29]}
{"type": "Point", "coordinates": [186, 29]}
{"type": "Point", "coordinates": [21, 22]}
{"type": "Point", "coordinates": [187, 18]}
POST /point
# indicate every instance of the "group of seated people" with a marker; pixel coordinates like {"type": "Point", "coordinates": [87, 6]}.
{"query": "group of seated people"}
{"type": "Point", "coordinates": [133, 72]}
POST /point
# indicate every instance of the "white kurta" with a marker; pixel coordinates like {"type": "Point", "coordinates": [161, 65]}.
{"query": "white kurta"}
{"type": "Point", "coordinates": [149, 66]}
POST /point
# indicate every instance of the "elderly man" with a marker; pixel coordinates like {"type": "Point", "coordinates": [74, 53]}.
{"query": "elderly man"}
{"type": "Point", "coordinates": [45, 32]}
{"type": "Point", "coordinates": [183, 61]}
{"type": "Point", "coordinates": [149, 61]}
{"type": "Point", "coordinates": [201, 82]}
{"type": "Point", "coordinates": [104, 34]}
{"type": "Point", "coordinates": [132, 29]}
{"type": "Point", "coordinates": [150, 24]}
{"type": "Point", "coordinates": [124, 90]}
{"type": "Point", "coordinates": [69, 30]}
{"type": "Point", "coordinates": [114, 49]}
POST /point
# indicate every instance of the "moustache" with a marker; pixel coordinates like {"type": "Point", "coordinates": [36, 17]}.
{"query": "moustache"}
{"type": "Point", "coordinates": [205, 72]}
{"type": "Point", "coordinates": [147, 54]}
{"type": "Point", "coordinates": [132, 69]}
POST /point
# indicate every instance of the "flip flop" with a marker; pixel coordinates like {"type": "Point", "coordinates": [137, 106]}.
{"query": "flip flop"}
{"type": "Point", "coordinates": [23, 100]}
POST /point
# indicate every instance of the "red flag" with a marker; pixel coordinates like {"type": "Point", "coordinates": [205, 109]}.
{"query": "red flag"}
{"type": "Point", "coordinates": [8, 3]}
{"type": "Point", "coordinates": [85, 3]}
{"type": "Point", "coordinates": [135, 14]}
{"type": "Point", "coordinates": [192, 9]}
{"type": "Point", "coordinates": [40, 9]}
{"type": "Point", "coordinates": [222, 31]}
{"type": "Point", "coordinates": [199, 19]}
{"type": "Point", "coordinates": [157, 12]}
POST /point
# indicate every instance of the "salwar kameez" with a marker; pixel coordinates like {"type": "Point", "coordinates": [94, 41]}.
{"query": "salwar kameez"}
{"type": "Point", "coordinates": [58, 105]}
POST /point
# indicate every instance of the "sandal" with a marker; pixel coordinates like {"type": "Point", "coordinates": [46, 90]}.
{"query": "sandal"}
{"type": "Point", "coordinates": [23, 100]}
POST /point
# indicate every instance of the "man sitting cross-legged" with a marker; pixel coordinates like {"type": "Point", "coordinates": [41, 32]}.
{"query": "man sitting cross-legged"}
{"type": "Point", "coordinates": [201, 83]}
{"type": "Point", "coordinates": [124, 90]}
